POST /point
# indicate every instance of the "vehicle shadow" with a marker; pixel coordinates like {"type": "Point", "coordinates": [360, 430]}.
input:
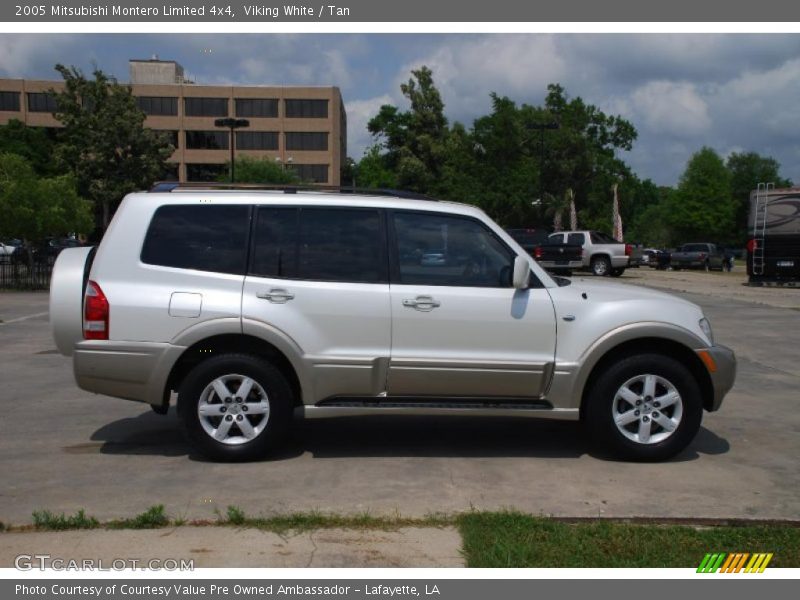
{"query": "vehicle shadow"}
{"type": "Point", "coordinates": [390, 436]}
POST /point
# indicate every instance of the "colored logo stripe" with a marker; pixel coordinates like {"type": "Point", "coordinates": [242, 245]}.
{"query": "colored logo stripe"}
{"type": "Point", "coordinates": [735, 562]}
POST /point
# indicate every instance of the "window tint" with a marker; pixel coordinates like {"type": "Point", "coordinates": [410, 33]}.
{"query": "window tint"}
{"type": "Point", "coordinates": [575, 238]}
{"type": "Point", "coordinates": [312, 173]}
{"type": "Point", "coordinates": [158, 105]}
{"type": "Point", "coordinates": [315, 109]}
{"type": "Point", "coordinates": [9, 101]}
{"type": "Point", "coordinates": [256, 140]}
{"type": "Point", "coordinates": [42, 102]}
{"type": "Point", "coordinates": [598, 237]}
{"type": "Point", "coordinates": [203, 238]}
{"type": "Point", "coordinates": [256, 107]}
{"type": "Point", "coordinates": [320, 244]}
{"type": "Point", "coordinates": [445, 250]}
{"type": "Point", "coordinates": [205, 107]}
{"type": "Point", "coordinates": [207, 140]}
{"type": "Point", "coordinates": [275, 252]}
{"type": "Point", "coordinates": [306, 140]}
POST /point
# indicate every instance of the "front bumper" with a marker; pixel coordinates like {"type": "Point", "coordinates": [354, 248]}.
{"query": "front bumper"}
{"type": "Point", "coordinates": [724, 375]}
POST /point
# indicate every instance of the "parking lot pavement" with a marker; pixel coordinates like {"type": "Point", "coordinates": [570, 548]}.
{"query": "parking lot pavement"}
{"type": "Point", "coordinates": [64, 449]}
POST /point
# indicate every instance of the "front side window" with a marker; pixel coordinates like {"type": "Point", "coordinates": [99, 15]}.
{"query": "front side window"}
{"type": "Point", "coordinates": [436, 249]}
{"type": "Point", "coordinates": [320, 244]}
{"type": "Point", "coordinates": [202, 238]}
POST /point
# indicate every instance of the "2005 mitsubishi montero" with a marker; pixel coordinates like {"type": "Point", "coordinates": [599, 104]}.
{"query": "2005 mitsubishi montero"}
{"type": "Point", "coordinates": [253, 305]}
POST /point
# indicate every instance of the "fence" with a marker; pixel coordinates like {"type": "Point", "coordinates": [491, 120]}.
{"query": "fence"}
{"type": "Point", "coordinates": [15, 276]}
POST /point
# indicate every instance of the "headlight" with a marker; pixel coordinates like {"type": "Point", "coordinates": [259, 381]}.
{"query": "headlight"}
{"type": "Point", "coordinates": [706, 327]}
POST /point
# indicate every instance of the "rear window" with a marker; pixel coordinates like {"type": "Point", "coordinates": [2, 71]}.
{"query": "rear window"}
{"type": "Point", "coordinates": [598, 237]}
{"type": "Point", "coordinates": [202, 238]}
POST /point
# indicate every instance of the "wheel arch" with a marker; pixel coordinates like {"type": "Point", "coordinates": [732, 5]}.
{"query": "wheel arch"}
{"type": "Point", "coordinates": [241, 343]}
{"type": "Point", "coordinates": [650, 345]}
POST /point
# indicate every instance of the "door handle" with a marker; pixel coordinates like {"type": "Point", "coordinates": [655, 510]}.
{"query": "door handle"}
{"type": "Point", "coordinates": [276, 296]}
{"type": "Point", "coordinates": [422, 303]}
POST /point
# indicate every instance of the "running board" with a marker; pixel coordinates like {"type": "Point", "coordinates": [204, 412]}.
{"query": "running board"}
{"type": "Point", "coordinates": [338, 407]}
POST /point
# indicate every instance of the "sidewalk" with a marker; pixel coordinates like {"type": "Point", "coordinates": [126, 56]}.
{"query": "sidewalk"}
{"type": "Point", "coordinates": [228, 546]}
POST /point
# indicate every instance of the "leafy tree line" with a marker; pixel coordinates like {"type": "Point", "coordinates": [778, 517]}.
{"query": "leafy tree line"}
{"type": "Point", "coordinates": [521, 163]}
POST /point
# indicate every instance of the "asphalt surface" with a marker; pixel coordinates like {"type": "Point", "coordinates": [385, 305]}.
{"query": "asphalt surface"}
{"type": "Point", "coordinates": [63, 449]}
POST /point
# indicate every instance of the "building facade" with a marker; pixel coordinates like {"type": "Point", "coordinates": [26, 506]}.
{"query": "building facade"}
{"type": "Point", "coordinates": [300, 128]}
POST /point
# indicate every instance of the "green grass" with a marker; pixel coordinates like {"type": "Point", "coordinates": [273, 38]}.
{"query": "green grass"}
{"type": "Point", "coordinates": [511, 539]}
{"type": "Point", "coordinates": [308, 521]}
{"type": "Point", "coordinates": [152, 518]}
{"type": "Point", "coordinates": [45, 520]}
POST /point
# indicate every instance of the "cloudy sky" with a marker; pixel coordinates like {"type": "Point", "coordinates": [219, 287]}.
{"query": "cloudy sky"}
{"type": "Point", "coordinates": [732, 92]}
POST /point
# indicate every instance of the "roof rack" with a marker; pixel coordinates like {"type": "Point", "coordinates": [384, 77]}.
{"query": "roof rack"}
{"type": "Point", "coordinates": [172, 186]}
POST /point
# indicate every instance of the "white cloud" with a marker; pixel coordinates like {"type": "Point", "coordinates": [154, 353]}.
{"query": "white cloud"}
{"type": "Point", "coordinates": [359, 112]}
{"type": "Point", "coordinates": [672, 107]}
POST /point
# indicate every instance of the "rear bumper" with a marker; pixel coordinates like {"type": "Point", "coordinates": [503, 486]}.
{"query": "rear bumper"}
{"type": "Point", "coordinates": [131, 370]}
{"type": "Point", "coordinates": [566, 264]}
{"type": "Point", "coordinates": [619, 262]}
{"type": "Point", "coordinates": [723, 378]}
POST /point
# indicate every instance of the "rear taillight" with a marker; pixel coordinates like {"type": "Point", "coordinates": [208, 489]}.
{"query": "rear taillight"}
{"type": "Point", "coordinates": [628, 249]}
{"type": "Point", "coordinates": [752, 245]}
{"type": "Point", "coordinates": [95, 313]}
{"type": "Point", "coordinates": [537, 252]}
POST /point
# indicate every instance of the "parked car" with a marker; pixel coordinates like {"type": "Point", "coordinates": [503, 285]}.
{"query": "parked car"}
{"type": "Point", "coordinates": [6, 250]}
{"type": "Point", "coordinates": [697, 256]}
{"type": "Point", "coordinates": [655, 258]}
{"type": "Point", "coordinates": [555, 256]}
{"type": "Point", "coordinates": [602, 254]}
{"type": "Point", "coordinates": [257, 305]}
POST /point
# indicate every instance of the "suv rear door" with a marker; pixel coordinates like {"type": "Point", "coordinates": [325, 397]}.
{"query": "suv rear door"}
{"type": "Point", "coordinates": [459, 328]}
{"type": "Point", "coordinates": [320, 276]}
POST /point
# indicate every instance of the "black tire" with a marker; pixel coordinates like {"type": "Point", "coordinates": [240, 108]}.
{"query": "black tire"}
{"type": "Point", "coordinates": [617, 272]}
{"type": "Point", "coordinates": [600, 408]}
{"type": "Point", "coordinates": [601, 266]}
{"type": "Point", "coordinates": [279, 398]}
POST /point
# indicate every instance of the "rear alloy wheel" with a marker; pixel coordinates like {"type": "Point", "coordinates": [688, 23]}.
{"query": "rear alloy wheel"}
{"type": "Point", "coordinates": [235, 407]}
{"type": "Point", "coordinates": [601, 266]}
{"type": "Point", "coordinates": [645, 408]}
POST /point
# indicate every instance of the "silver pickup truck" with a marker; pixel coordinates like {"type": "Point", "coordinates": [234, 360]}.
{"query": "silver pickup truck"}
{"type": "Point", "coordinates": [602, 254]}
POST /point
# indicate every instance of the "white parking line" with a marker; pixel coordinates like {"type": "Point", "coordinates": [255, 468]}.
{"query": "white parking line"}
{"type": "Point", "coordinates": [25, 318]}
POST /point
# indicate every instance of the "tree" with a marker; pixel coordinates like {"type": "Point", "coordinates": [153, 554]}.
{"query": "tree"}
{"type": "Point", "coordinates": [415, 139]}
{"type": "Point", "coordinates": [34, 207]}
{"type": "Point", "coordinates": [259, 170]}
{"type": "Point", "coordinates": [701, 209]}
{"type": "Point", "coordinates": [747, 170]}
{"type": "Point", "coordinates": [104, 143]}
{"type": "Point", "coordinates": [32, 143]}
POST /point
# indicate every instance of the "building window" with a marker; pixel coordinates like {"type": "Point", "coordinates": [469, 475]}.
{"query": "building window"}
{"type": "Point", "coordinates": [313, 173]}
{"type": "Point", "coordinates": [257, 107]}
{"type": "Point", "coordinates": [205, 172]}
{"type": "Point", "coordinates": [256, 140]}
{"type": "Point", "coordinates": [205, 107]}
{"type": "Point", "coordinates": [306, 140]}
{"type": "Point", "coordinates": [170, 134]}
{"type": "Point", "coordinates": [308, 109]}
{"type": "Point", "coordinates": [169, 172]}
{"type": "Point", "coordinates": [158, 105]}
{"type": "Point", "coordinates": [9, 101]}
{"type": "Point", "coordinates": [206, 140]}
{"type": "Point", "coordinates": [42, 102]}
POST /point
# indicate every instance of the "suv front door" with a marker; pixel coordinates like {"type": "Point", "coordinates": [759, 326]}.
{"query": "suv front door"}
{"type": "Point", "coordinates": [459, 328]}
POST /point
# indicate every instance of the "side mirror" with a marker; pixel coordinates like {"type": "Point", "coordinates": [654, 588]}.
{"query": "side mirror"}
{"type": "Point", "coordinates": [522, 274]}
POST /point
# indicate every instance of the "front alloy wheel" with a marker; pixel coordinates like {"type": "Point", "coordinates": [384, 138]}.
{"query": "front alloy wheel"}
{"type": "Point", "coordinates": [647, 409]}
{"type": "Point", "coordinates": [644, 407]}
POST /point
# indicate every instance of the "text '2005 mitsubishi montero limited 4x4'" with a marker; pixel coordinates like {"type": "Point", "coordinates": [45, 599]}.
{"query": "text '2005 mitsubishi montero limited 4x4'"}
{"type": "Point", "coordinates": [247, 307]}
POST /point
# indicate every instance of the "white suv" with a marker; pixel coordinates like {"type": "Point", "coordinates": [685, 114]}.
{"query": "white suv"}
{"type": "Point", "coordinates": [254, 305]}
